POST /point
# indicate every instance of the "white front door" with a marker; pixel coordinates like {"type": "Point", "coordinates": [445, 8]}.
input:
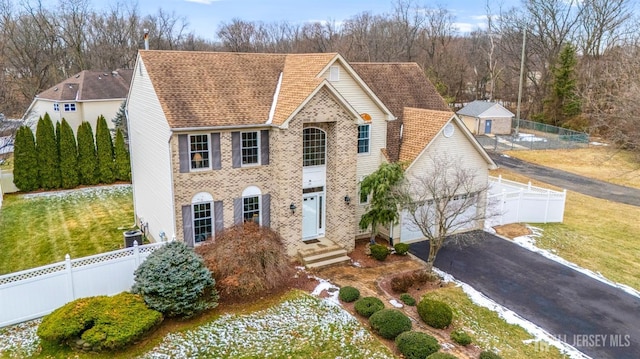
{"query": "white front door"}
{"type": "Point", "coordinates": [312, 215]}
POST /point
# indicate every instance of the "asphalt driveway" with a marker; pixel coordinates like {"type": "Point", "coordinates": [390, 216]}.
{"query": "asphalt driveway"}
{"type": "Point", "coordinates": [570, 181]}
{"type": "Point", "coordinates": [596, 318]}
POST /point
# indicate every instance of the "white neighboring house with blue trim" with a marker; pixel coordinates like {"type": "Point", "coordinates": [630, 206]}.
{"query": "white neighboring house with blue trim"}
{"type": "Point", "coordinates": [484, 117]}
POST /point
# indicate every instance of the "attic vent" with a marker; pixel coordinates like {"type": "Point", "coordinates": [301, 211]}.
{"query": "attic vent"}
{"type": "Point", "coordinates": [55, 89]}
{"type": "Point", "coordinates": [99, 77]}
{"type": "Point", "coordinates": [401, 130]}
{"type": "Point", "coordinates": [105, 74]}
{"type": "Point", "coordinates": [114, 73]}
{"type": "Point", "coordinates": [334, 73]}
{"type": "Point", "coordinates": [78, 76]}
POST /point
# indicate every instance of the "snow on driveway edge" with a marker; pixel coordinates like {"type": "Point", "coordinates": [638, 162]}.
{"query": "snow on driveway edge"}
{"type": "Point", "coordinates": [513, 318]}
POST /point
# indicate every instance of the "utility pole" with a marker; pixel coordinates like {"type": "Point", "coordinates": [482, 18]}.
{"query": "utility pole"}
{"type": "Point", "coordinates": [524, 41]}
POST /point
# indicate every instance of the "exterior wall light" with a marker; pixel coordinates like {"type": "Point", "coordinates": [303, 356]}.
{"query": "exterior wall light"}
{"type": "Point", "coordinates": [347, 199]}
{"type": "Point", "coordinates": [292, 207]}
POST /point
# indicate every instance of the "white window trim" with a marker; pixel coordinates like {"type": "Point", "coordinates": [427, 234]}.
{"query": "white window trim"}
{"type": "Point", "coordinates": [334, 73]}
{"type": "Point", "coordinates": [368, 140]}
{"type": "Point", "coordinates": [191, 169]}
{"type": "Point", "coordinates": [258, 135]}
{"type": "Point", "coordinates": [359, 196]}
{"type": "Point", "coordinates": [68, 105]}
{"type": "Point", "coordinates": [325, 147]}
{"type": "Point", "coordinates": [201, 198]}
{"type": "Point", "coordinates": [249, 192]}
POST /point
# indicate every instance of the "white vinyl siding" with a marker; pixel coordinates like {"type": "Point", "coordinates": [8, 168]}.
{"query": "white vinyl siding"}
{"type": "Point", "coordinates": [149, 136]}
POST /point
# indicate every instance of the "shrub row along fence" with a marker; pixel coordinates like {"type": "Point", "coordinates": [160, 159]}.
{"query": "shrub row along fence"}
{"type": "Point", "coordinates": [513, 202]}
{"type": "Point", "coordinates": [37, 292]}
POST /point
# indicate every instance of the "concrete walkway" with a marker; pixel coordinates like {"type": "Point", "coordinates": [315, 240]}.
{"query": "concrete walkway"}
{"type": "Point", "coordinates": [595, 318]}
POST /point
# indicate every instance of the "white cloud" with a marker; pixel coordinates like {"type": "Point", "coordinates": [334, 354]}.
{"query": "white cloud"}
{"type": "Point", "coordinates": [466, 27]}
{"type": "Point", "coordinates": [205, 2]}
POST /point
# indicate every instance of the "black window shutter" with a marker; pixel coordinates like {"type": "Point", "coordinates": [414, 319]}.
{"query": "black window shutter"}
{"type": "Point", "coordinates": [266, 210]}
{"type": "Point", "coordinates": [187, 226]}
{"type": "Point", "coordinates": [264, 147]}
{"type": "Point", "coordinates": [237, 210]}
{"type": "Point", "coordinates": [183, 153]}
{"type": "Point", "coordinates": [216, 156]}
{"type": "Point", "coordinates": [236, 154]}
{"type": "Point", "coordinates": [218, 213]}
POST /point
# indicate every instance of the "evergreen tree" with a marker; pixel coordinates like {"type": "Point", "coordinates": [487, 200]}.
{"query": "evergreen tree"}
{"type": "Point", "coordinates": [25, 160]}
{"type": "Point", "coordinates": [104, 149]}
{"type": "Point", "coordinates": [123, 164]}
{"type": "Point", "coordinates": [563, 102]}
{"type": "Point", "coordinates": [120, 121]}
{"type": "Point", "coordinates": [87, 160]}
{"type": "Point", "coordinates": [68, 156]}
{"type": "Point", "coordinates": [47, 152]}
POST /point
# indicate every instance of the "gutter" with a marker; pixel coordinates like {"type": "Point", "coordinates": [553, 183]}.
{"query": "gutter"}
{"type": "Point", "coordinates": [229, 127]}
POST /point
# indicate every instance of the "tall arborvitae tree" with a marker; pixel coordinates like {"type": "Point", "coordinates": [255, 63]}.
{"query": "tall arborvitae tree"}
{"type": "Point", "coordinates": [104, 148]}
{"type": "Point", "coordinates": [563, 102]}
{"type": "Point", "coordinates": [25, 160]}
{"type": "Point", "coordinates": [68, 157]}
{"type": "Point", "coordinates": [120, 121]}
{"type": "Point", "coordinates": [123, 164]}
{"type": "Point", "coordinates": [47, 151]}
{"type": "Point", "coordinates": [87, 160]}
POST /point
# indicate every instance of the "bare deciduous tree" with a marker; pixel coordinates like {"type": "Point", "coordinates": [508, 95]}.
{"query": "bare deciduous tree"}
{"type": "Point", "coordinates": [449, 198]}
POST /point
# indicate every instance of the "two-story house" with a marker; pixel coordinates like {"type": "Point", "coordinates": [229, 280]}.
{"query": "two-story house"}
{"type": "Point", "coordinates": [280, 139]}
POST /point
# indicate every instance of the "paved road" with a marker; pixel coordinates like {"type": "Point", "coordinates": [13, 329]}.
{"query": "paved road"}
{"type": "Point", "coordinates": [570, 181]}
{"type": "Point", "coordinates": [568, 304]}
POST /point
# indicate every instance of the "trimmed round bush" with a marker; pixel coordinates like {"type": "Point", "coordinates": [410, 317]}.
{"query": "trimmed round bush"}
{"type": "Point", "coordinates": [440, 355]}
{"type": "Point", "coordinates": [100, 323]}
{"type": "Point", "coordinates": [174, 281]}
{"type": "Point", "coordinates": [348, 294]}
{"type": "Point", "coordinates": [401, 248]}
{"type": "Point", "coordinates": [407, 299]}
{"type": "Point", "coordinates": [435, 313]}
{"type": "Point", "coordinates": [368, 305]}
{"type": "Point", "coordinates": [416, 345]}
{"type": "Point", "coordinates": [489, 355]}
{"type": "Point", "coordinates": [461, 337]}
{"type": "Point", "coordinates": [379, 252]}
{"type": "Point", "coordinates": [389, 323]}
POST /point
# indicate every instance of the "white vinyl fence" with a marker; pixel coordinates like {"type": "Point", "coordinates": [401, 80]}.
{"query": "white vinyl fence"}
{"type": "Point", "coordinates": [37, 292]}
{"type": "Point", "coordinates": [514, 202]}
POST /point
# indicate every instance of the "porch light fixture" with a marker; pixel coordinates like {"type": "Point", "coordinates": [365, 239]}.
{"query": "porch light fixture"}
{"type": "Point", "coordinates": [292, 207]}
{"type": "Point", "coordinates": [347, 199]}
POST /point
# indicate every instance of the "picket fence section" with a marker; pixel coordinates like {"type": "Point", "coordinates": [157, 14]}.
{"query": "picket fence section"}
{"type": "Point", "coordinates": [34, 293]}
{"type": "Point", "coordinates": [514, 202]}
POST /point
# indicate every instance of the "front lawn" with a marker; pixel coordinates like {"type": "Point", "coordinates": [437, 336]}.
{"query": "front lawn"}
{"type": "Point", "coordinates": [42, 227]}
{"type": "Point", "coordinates": [491, 332]}
{"type": "Point", "coordinates": [296, 325]}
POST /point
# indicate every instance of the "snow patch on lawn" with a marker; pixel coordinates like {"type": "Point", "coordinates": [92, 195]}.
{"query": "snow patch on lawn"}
{"type": "Point", "coordinates": [529, 242]}
{"type": "Point", "coordinates": [395, 303]}
{"type": "Point", "coordinates": [513, 318]}
{"type": "Point", "coordinates": [332, 290]}
{"type": "Point", "coordinates": [97, 191]}
{"type": "Point", "coordinates": [20, 340]}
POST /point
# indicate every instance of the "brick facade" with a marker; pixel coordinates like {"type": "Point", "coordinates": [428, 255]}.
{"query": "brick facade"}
{"type": "Point", "coordinates": [282, 177]}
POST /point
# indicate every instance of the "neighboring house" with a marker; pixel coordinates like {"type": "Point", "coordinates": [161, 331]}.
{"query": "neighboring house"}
{"type": "Point", "coordinates": [482, 117]}
{"type": "Point", "coordinates": [82, 97]}
{"type": "Point", "coordinates": [280, 139]}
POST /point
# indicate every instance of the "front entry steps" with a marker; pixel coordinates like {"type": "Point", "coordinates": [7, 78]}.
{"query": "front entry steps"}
{"type": "Point", "coordinates": [322, 253]}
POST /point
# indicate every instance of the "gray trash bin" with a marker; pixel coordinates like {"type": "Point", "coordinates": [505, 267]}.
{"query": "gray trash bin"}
{"type": "Point", "coordinates": [130, 236]}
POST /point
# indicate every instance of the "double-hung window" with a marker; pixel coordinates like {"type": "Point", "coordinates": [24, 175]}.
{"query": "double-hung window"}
{"type": "Point", "coordinates": [251, 209]}
{"type": "Point", "coordinates": [69, 107]}
{"type": "Point", "coordinates": [202, 221]}
{"type": "Point", "coordinates": [364, 136]}
{"type": "Point", "coordinates": [250, 146]}
{"type": "Point", "coordinates": [199, 151]}
{"type": "Point", "coordinates": [56, 107]}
